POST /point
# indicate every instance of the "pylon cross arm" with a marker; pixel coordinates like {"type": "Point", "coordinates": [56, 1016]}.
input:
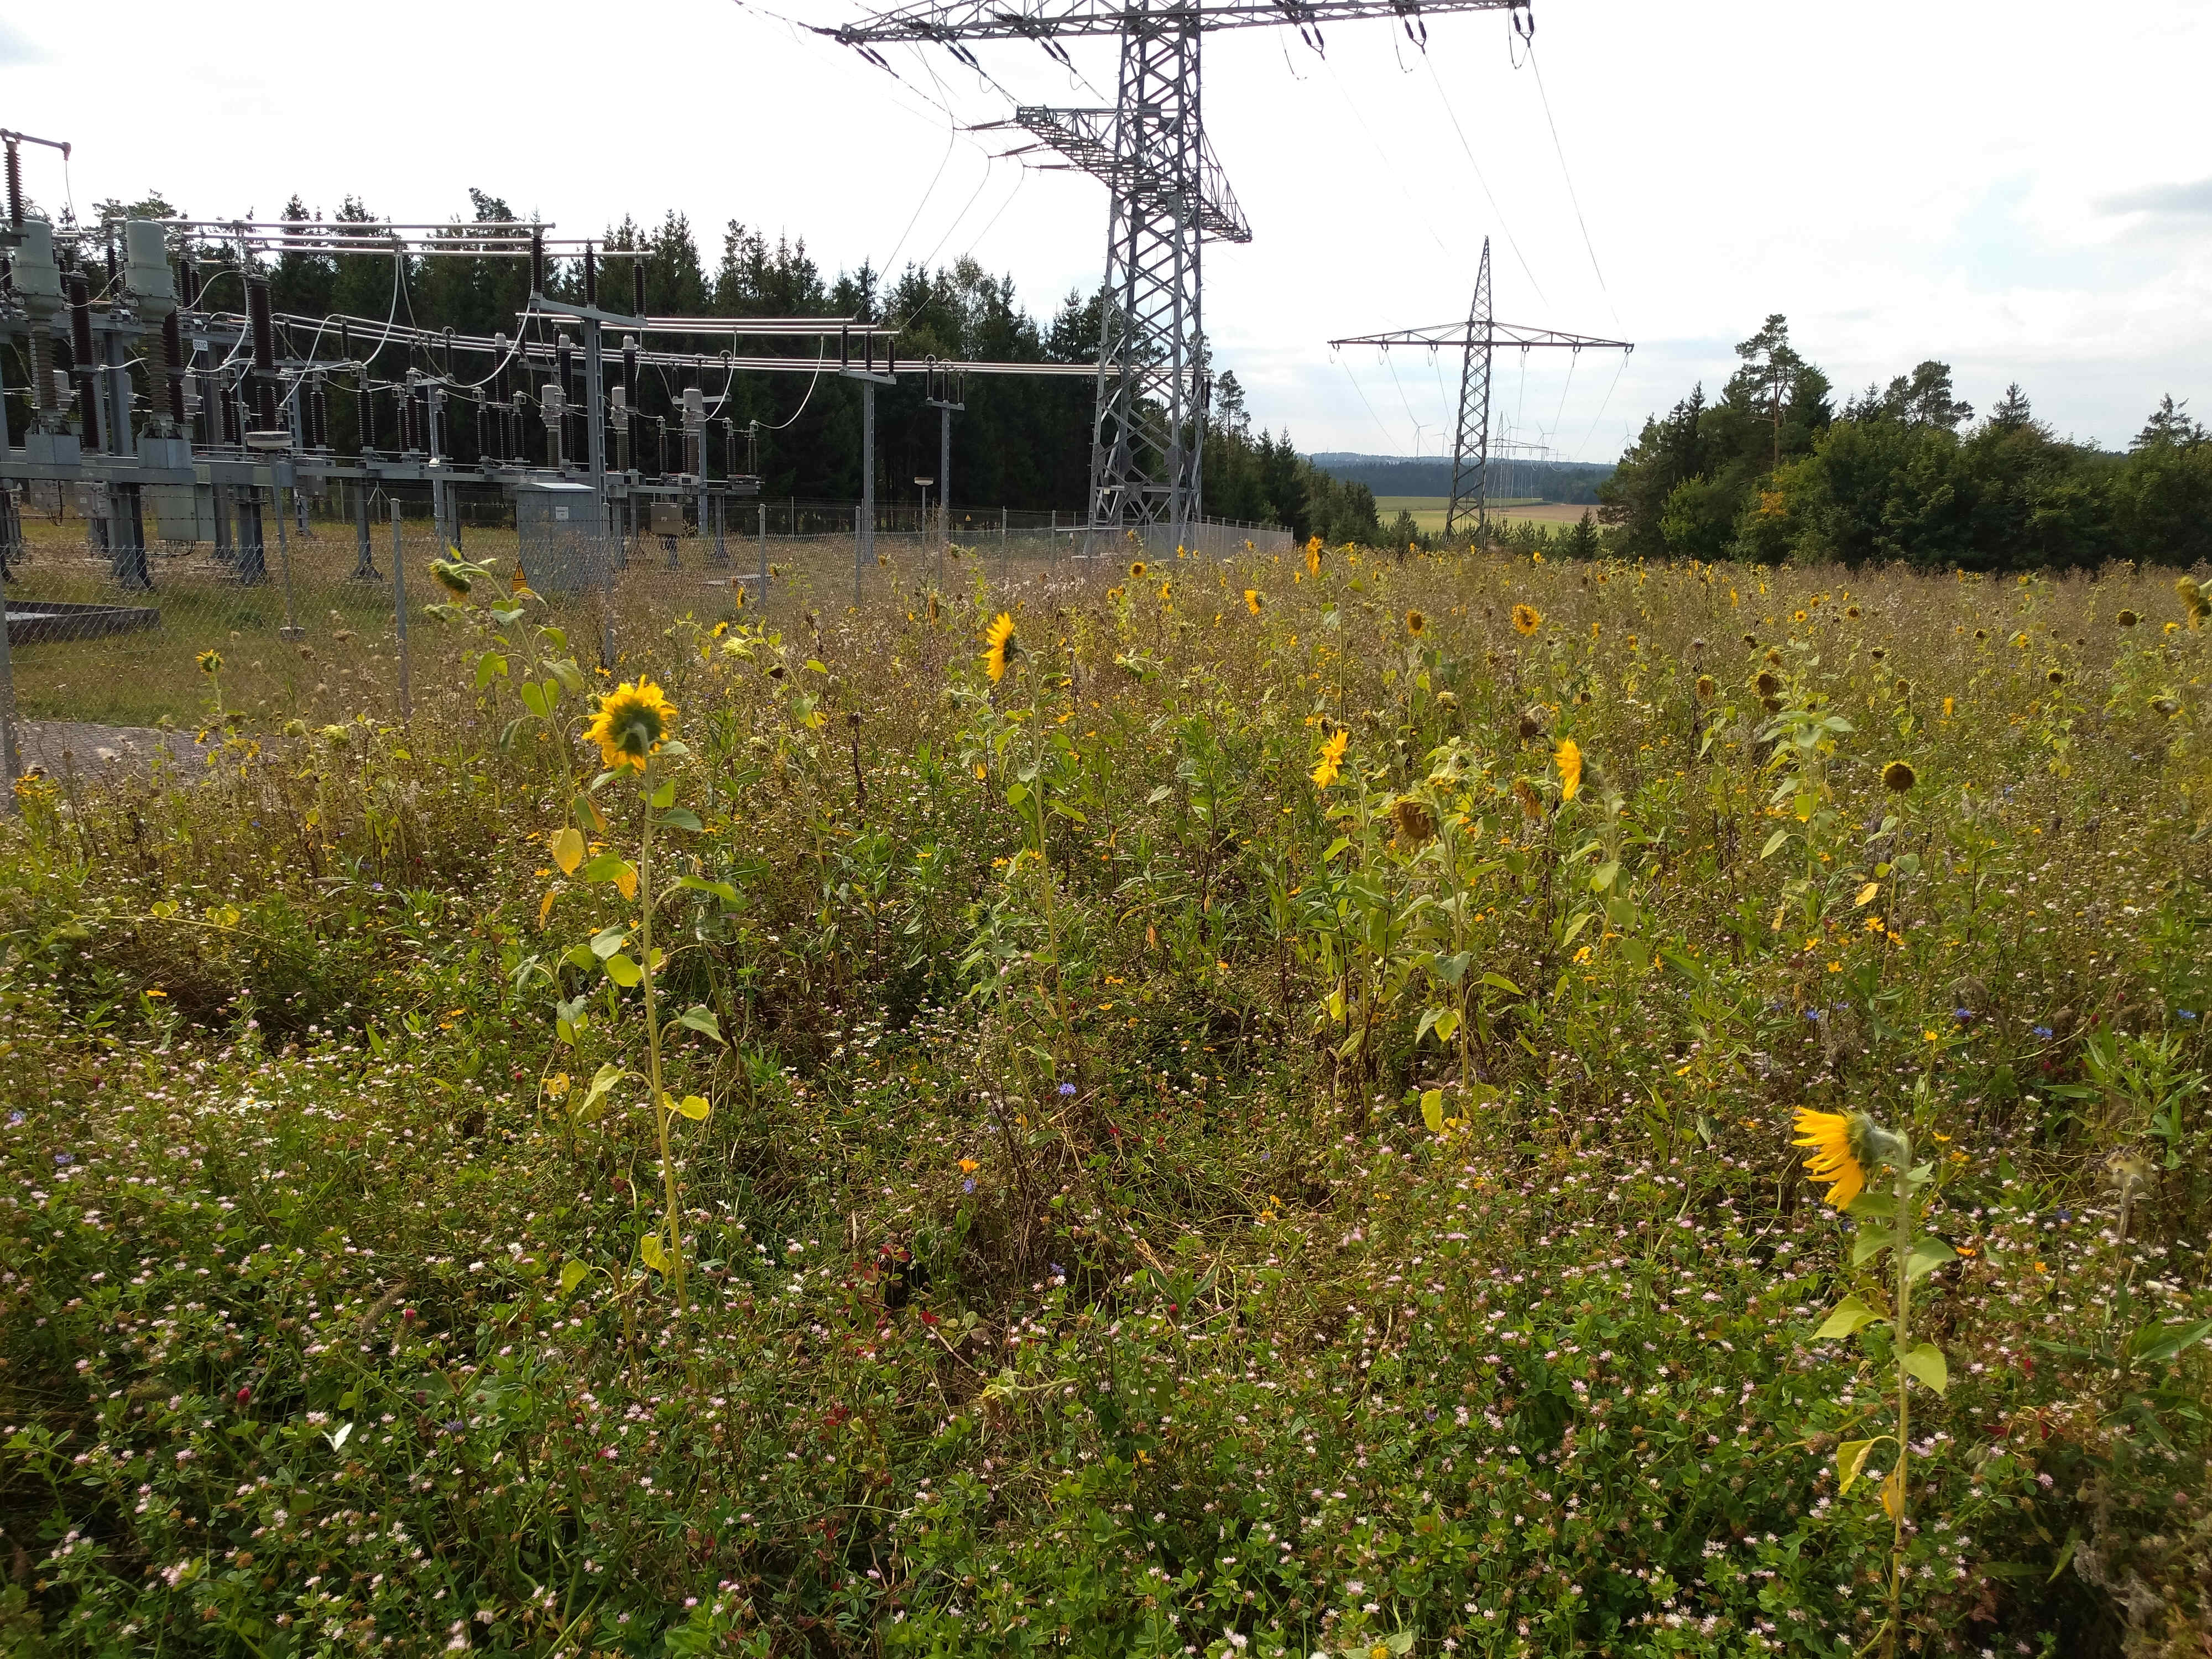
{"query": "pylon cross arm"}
{"type": "Point", "coordinates": [1090, 139]}
{"type": "Point", "coordinates": [943, 21]}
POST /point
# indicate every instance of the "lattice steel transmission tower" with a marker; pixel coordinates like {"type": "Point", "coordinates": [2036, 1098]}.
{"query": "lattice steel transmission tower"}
{"type": "Point", "coordinates": [1479, 339]}
{"type": "Point", "coordinates": [1169, 197]}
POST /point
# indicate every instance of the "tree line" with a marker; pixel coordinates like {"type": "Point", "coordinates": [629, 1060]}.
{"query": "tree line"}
{"type": "Point", "coordinates": [1771, 471]}
{"type": "Point", "coordinates": [1019, 443]}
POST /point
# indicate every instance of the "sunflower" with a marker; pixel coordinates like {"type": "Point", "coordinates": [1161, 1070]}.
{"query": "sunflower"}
{"type": "Point", "coordinates": [1568, 757]}
{"type": "Point", "coordinates": [632, 723]}
{"type": "Point", "coordinates": [1416, 623]}
{"type": "Point", "coordinates": [1003, 646]}
{"type": "Point", "coordinates": [1252, 600]}
{"type": "Point", "coordinates": [1527, 619]}
{"type": "Point", "coordinates": [2127, 619]}
{"type": "Point", "coordinates": [2195, 596]}
{"type": "Point", "coordinates": [210, 662]}
{"type": "Point", "coordinates": [1898, 776]}
{"type": "Point", "coordinates": [1332, 758]}
{"type": "Point", "coordinates": [1415, 825]}
{"type": "Point", "coordinates": [1313, 557]}
{"type": "Point", "coordinates": [1705, 687]}
{"type": "Point", "coordinates": [2057, 677]}
{"type": "Point", "coordinates": [453, 576]}
{"type": "Point", "coordinates": [1136, 568]}
{"type": "Point", "coordinates": [932, 607]}
{"type": "Point", "coordinates": [1831, 1136]}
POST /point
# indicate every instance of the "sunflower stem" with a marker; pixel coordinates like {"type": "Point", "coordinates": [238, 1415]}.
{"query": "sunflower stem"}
{"type": "Point", "coordinates": [653, 1046]}
{"type": "Point", "coordinates": [1903, 1249]}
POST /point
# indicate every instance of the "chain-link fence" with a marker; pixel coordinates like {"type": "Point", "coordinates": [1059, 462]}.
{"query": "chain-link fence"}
{"type": "Point", "coordinates": [125, 640]}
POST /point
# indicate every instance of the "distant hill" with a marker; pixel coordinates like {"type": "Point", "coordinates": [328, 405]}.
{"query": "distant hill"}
{"type": "Point", "coordinates": [1397, 475]}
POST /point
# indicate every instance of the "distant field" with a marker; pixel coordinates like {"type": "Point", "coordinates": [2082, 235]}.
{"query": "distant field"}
{"type": "Point", "coordinates": [1428, 510]}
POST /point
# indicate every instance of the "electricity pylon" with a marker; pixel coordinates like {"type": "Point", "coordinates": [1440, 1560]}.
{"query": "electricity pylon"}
{"type": "Point", "coordinates": [1479, 338]}
{"type": "Point", "coordinates": [1169, 199]}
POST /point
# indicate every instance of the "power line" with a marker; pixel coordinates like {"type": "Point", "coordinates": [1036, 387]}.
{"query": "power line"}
{"type": "Point", "coordinates": [1600, 415]}
{"type": "Point", "coordinates": [1397, 175]}
{"type": "Point", "coordinates": [1505, 229]}
{"type": "Point", "coordinates": [1560, 150]}
{"type": "Point", "coordinates": [951, 140]}
{"type": "Point", "coordinates": [1371, 415]}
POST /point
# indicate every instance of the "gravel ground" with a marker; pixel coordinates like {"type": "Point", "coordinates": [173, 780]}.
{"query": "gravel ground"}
{"type": "Point", "coordinates": [100, 753]}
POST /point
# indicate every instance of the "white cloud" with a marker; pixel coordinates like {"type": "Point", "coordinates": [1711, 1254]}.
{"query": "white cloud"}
{"type": "Point", "coordinates": [17, 48]}
{"type": "Point", "coordinates": [1989, 184]}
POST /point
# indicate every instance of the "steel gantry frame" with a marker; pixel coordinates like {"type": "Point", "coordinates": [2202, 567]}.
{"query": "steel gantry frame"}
{"type": "Point", "coordinates": [1169, 197]}
{"type": "Point", "coordinates": [1480, 338]}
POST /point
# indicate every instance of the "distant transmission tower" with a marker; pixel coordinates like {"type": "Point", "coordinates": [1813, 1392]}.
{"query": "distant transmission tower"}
{"type": "Point", "coordinates": [1478, 339]}
{"type": "Point", "coordinates": [1169, 197]}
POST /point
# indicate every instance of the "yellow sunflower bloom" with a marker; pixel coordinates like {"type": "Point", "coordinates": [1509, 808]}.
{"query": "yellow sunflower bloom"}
{"type": "Point", "coordinates": [1416, 623]}
{"type": "Point", "coordinates": [1332, 758]}
{"type": "Point", "coordinates": [1252, 600]}
{"type": "Point", "coordinates": [1527, 619]}
{"type": "Point", "coordinates": [1002, 646]}
{"type": "Point", "coordinates": [1830, 1135]}
{"type": "Point", "coordinates": [632, 723]}
{"type": "Point", "coordinates": [1569, 759]}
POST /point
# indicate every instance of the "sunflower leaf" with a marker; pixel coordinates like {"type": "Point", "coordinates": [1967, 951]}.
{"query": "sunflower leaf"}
{"type": "Point", "coordinates": [1925, 1361]}
{"type": "Point", "coordinates": [700, 1019]}
{"type": "Point", "coordinates": [1851, 1458]}
{"type": "Point", "coordinates": [1851, 1317]}
{"type": "Point", "coordinates": [1871, 1244]}
{"type": "Point", "coordinates": [1926, 1256]}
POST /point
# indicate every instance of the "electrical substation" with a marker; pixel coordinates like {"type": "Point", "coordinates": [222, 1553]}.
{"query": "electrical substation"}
{"type": "Point", "coordinates": [176, 404]}
{"type": "Point", "coordinates": [161, 394]}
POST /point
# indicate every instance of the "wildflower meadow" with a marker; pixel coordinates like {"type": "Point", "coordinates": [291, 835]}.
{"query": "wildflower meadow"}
{"type": "Point", "coordinates": [1356, 1104]}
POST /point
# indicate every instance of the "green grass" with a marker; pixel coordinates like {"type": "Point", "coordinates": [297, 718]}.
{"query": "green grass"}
{"type": "Point", "coordinates": [1429, 512]}
{"type": "Point", "coordinates": [1076, 1264]}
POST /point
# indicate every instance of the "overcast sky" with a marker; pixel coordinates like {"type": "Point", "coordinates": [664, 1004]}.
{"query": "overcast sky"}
{"type": "Point", "coordinates": [2018, 189]}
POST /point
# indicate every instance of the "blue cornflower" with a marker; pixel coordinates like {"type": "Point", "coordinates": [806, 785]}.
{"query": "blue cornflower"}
{"type": "Point", "coordinates": [64, 1157]}
{"type": "Point", "coordinates": [2043, 1032]}
{"type": "Point", "coordinates": [15, 1118]}
{"type": "Point", "coordinates": [969, 1185]}
{"type": "Point", "coordinates": [2189, 1013]}
{"type": "Point", "coordinates": [1067, 1087]}
{"type": "Point", "coordinates": [1962, 1015]}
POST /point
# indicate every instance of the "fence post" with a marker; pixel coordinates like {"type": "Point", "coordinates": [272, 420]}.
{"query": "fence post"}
{"type": "Point", "coordinates": [10, 762]}
{"type": "Point", "coordinates": [764, 555]}
{"type": "Point", "coordinates": [364, 564]}
{"type": "Point", "coordinates": [399, 611]}
{"type": "Point", "coordinates": [293, 631]}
